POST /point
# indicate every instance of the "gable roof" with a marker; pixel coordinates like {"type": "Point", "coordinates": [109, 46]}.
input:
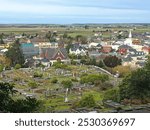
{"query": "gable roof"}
{"type": "Point", "coordinates": [50, 53]}
{"type": "Point", "coordinates": [77, 47]}
{"type": "Point", "coordinates": [125, 47]}
{"type": "Point", "coordinates": [127, 59]}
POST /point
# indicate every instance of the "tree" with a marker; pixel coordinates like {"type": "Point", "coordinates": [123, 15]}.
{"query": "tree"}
{"type": "Point", "coordinates": [147, 65]}
{"type": "Point", "coordinates": [8, 104]}
{"type": "Point", "coordinates": [69, 45]}
{"type": "Point", "coordinates": [112, 94]}
{"type": "Point", "coordinates": [112, 61]}
{"type": "Point", "coordinates": [100, 64]}
{"type": "Point", "coordinates": [122, 70]}
{"type": "Point", "coordinates": [15, 54]}
{"type": "Point", "coordinates": [67, 84]}
{"type": "Point", "coordinates": [92, 61]}
{"type": "Point", "coordinates": [81, 39]}
{"type": "Point", "coordinates": [1, 68]}
{"type": "Point", "coordinates": [5, 61]}
{"type": "Point", "coordinates": [136, 85]}
{"type": "Point", "coordinates": [1, 39]}
{"type": "Point", "coordinates": [51, 36]}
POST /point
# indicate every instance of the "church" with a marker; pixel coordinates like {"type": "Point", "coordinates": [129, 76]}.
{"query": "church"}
{"type": "Point", "coordinates": [128, 41]}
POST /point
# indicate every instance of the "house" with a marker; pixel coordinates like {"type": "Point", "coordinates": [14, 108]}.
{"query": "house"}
{"type": "Point", "coordinates": [127, 61]}
{"type": "Point", "coordinates": [106, 49]}
{"type": "Point", "coordinates": [93, 45]}
{"type": "Point", "coordinates": [146, 49]}
{"type": "Point", "coordinates": [124, 49]}
{"type": "Point", "coordinates": [136, 42]}
{"type": "Point", "coordinates": [54, 54]}
{"type": "Point", "coordinates": [77, 50]}
{"type": "Point", "coordinates": [37, 40]}
{"type": "Point", "coordinates": [137, 55]}
{"type": "Point", "coordinates": [94, 54]}
{"type": "Point", "coordinates": [115, 46]}
{"type": "Point", "coordinates": [29, 50]}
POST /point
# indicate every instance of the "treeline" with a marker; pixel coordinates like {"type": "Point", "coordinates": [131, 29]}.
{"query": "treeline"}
{"type": "Point", "coordinates": [134, 89]}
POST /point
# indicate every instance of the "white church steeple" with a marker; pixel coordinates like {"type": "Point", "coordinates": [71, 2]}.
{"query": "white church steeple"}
{"type": "Point", "coordinates": [128, 41]}
{"type": "Point", "coordinates": [130, 34]}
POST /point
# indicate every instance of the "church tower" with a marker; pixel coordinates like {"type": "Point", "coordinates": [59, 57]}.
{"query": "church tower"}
{"type": "Point", "coordinates": [130, 34]}
{"type": "Point", "coordinates": [128, 41]}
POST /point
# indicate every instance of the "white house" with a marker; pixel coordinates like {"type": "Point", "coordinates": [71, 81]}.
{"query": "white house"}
{"type": "Point", "coordinates": [77, 50]}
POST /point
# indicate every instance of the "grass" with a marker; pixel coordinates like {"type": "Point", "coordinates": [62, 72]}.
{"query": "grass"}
{"type": "Point", "coordinates": [57, 102]}
{"type": "Point", "coordinates": [97, 95]}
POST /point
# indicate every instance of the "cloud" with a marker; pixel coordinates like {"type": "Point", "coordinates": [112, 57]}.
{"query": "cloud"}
{"type": "Point", "coordinates": [104, 10]}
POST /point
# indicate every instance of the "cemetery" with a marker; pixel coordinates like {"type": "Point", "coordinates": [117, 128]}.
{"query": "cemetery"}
{"type": "Point", "coordinates": [47, 85]}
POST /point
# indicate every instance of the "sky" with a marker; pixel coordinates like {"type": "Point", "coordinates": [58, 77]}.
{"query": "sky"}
{"type": "Point", "coordinates": [74, 11]}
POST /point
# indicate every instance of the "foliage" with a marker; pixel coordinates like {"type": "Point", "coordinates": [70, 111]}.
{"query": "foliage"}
{"type": "Point", "coordinates": [54, 80]}
{"type": "Point", "coordinates": [112, 94]}
{"type": "Point", "coordinates": [81, 39]}
{"type": "Point", "coordinates": [136, 85]}
{"type": "Point", "coordinates": [147, 65]}
{"type": "Point", "coordinates": [68, 47]}
{"type": "Point", "coordinates": [122, 70]}
{"type": "Point", "coordinates": [1, 39]}
{"type": "Point", "coordinates": [36, 75]}
{"type": "Point", "coordinates": [67, 83]}
{"type": "Point", "coordinates": [33, 85]}
{"type": "Point", "coordinates": [17, 66]}
{"type": "Point", "coordinates": [112, 61]}
{"type": "Point", "coordinates": [92, 61]}
{"type": "Point", "coordinates": [8, 104]}
{"type": "Point", "coordinates": [28, 105]}
{"type": "Point", "coordinates": [73, 62]}
{"type": "Point", "coordinates": [100, 64]}
{"type": "Point", "coordinates": [87, 101]}
{"type": "Point", "coordinates": [59, 65]}
{"type": "Point", "coordinates": [5, 61]}
{"type": "Point", "coordinates": [92, 78]}
{"type": "Point", "coordinates": [74, 80]}
{"type": "Point", "coordinates": [1, 68]}
{"type": "Point", "coordinates": [15, 54]}
{"type": "Point", "coordinates": [51, 36]}
{"type": "Point", "coordinates": [103, 86]}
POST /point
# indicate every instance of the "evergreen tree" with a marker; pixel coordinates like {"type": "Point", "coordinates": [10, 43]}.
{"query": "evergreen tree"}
{"type": "Point", "coordinates": [15, 54]}
{"type": "Point", "coordinates": [112, 61]}
{"type": "Point", "coordinates": [1, 39]}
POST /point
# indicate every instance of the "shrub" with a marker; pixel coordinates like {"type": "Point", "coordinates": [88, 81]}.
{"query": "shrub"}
{"type": "Point", "coordinates": [54, 80]}
{"type": "Point", "coordinates": [74, 80]}
{"type": "Point", "coordinates": [112, 94]}
{"type": "Point", "coordinates": [1, 68]}
{"type": "Point", "coordinates": [36, 74]}
{"type": "Point", "coordinates": [67, 83]}
{"type": "Point", "coordinates": [17, 66]}
{"type": "Point", "coordinates": [87, 101]}
{"type": "Point", "coordinates": [60, 65]}
{"type": "Point", "coordinates": [103, 86]}
{"type": "Point", "coordinates": [92, 78]}
{"type": "Point", "coordinates": [123, 70]}
{"type": "Point", "coordinates": [33, 85]}
{"type": "Point", "coordinates": [73, 62]}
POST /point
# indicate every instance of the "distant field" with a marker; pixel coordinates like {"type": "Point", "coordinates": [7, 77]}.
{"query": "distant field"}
{"type": "Point", "coordinates": [73, 32]}
{"type": "Point", "coordinates": [20, 30]}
